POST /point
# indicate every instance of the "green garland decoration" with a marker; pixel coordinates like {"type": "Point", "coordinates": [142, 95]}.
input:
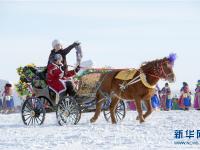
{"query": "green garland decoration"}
{"type": "Point", "coordinates": [28, 76]}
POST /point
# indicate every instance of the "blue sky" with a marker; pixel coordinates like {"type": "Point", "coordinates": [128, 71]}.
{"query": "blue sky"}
{"type": "Point", "coordinates": [112, 33]}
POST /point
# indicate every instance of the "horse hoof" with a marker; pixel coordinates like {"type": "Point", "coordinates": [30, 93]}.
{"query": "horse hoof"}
{"type": "Point", "coordinates": [92, 120]}
{"type": "Point", "coordinates": [142, 121]}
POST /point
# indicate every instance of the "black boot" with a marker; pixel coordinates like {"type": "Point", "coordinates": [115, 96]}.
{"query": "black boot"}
{"type": "Point", "coordinates": [70, 89]}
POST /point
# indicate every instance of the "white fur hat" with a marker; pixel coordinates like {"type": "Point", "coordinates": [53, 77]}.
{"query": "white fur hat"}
{"type": "Point", "coordinates": [55, 42]}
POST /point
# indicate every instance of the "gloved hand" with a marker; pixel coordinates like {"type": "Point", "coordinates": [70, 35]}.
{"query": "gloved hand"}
{"type": "Point", "coordinates": [77, 43]}
{"type": "Point", "coordinates": [77, 69]}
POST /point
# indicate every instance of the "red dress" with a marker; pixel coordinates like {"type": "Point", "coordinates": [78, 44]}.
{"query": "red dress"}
{"type": "Point", "coordinates": [54, 74]}
{"type": "Point", "coordinates": [55, 78]}
{"type": "Point", "coordinates": [185, 93]}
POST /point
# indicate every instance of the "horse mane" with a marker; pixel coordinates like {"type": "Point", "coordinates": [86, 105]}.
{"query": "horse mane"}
{"type": "Point", "coordinates": [147, 65]}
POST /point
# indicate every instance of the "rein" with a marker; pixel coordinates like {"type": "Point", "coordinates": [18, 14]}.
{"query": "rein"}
{"type": "Point", "coordinates": [158, 72]}
{"type": "Point", "coordinates": [99, 68]}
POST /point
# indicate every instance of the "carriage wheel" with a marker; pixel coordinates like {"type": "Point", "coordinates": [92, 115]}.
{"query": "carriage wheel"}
{"type": "Point", "coordinates": [47, 104]}
{"type": "Point", "coordinates": [68, 111]}
{"type": "Point", "coordinates": [33, 112]}
{"type": "Point", "coordinates": [119, 113]}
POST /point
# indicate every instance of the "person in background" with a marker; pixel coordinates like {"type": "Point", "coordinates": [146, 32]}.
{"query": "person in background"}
{"type": "Point", "coordinates": [8, 101]}
{"type": "Point", "coordinates": [1, 102]}
{"type": "Point", "coordinates": [185, 97]}
{"type": "Point", "coordinates": [155, 102]}
{"type": "Point", "coordinates": [197, 96]}
{"type": "Point", "coordinates": [166, 101]}
{"type": "Point", "coordinates": [58, 49]}
{"type": "Point", "coordinates": [132, 105]}
{"type": "Point", "coordinates": [175, 105]}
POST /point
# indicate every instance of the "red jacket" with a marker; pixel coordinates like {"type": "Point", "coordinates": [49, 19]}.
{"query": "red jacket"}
{"type": "Point", "coordinates": [55, 77]}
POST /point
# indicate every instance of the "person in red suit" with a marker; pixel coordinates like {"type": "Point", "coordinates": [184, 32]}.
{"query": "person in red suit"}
{"type": "Point", "coordinates": [57, 80]}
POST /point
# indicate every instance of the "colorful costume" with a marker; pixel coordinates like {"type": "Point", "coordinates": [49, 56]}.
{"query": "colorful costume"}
{"type": "Point", "coordinates": [56, 79]}
{"type": "Point", "coordinates": [175, 103]}
{"type": "Point", "coordinates": [185, 98]}
{"type": "Point", "coordinates": [155, 102]}
{"type": "Point", "coordinates": [54, 76]}
{"type": "Point", "coordinates": [166, 101]}
{"type": "Point", "coordinates": [8, 101]}
{"type": "Point", "coordinates": [1, 103]}
{"type": "Point", "coordinates": [197, 98]}
{"type": "Point", "coordinates": [132, 105]}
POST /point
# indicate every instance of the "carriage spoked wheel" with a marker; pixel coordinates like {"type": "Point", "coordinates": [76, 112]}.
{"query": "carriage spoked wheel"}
{"type": "Point", "coordinates": [68, 111]}
{"type": "Point", "coordinates": [33, 112]}
{"type": "Point", "coordinates": [120, 112]}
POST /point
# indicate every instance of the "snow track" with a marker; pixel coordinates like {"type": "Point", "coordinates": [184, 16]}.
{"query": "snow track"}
{"type": "Point", "coordinates": [156, 133]}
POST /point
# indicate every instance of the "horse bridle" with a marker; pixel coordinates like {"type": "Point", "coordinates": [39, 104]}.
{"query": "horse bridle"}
{"type": "Point", "coordinates": [159, 72]}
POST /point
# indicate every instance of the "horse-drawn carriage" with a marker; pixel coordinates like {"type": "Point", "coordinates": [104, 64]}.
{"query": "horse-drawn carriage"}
{"type": "Point", "coordinates": [68, 108]}
{"type": "Point", "coordinates": [96, 91]}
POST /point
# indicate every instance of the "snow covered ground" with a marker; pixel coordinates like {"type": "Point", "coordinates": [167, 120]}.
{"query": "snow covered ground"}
{"type": "Point", "coordinates": [156, 133]}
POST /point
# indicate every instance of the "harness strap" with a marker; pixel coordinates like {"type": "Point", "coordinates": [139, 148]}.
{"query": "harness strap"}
{"type": "Point", "coordinates": [140, 77]}
{"type": "Point", "coordinates": [134, 80]}
{"type": "Point", "coordinates": [144, 81]}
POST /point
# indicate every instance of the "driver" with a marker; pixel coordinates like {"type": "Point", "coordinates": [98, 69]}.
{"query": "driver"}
{"type": "Point", "coordinates": [56, 78]}
{"type": "Point", "coordinates": [57, 49]}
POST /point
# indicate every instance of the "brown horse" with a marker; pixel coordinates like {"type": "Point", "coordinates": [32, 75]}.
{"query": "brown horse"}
{"type": "Point", "coordinates": [138, 91]}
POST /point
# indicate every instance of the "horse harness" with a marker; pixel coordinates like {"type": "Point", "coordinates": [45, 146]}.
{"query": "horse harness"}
{"type": "Point", "coordinates": [141, 77]}
{"type": "Point", "coordinates": [158, 72]}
